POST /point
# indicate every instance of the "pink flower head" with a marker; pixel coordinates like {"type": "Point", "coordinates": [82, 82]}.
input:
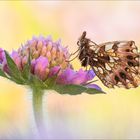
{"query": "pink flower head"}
{"type": "Point", "coordinates": [47, 59]}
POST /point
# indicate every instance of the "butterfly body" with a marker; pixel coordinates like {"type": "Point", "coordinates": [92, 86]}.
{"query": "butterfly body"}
{"type": "Point", "coordinates": [115, 63]}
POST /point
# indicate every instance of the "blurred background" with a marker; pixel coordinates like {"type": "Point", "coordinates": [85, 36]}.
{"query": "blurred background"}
{"type": "Point", "coordinates": [115, 115]}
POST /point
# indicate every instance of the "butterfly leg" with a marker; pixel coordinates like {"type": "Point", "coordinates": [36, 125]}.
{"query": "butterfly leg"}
{"type": "Point", "coordinates": [74, 52]}
{"type": "Point", "coordinates": [91, 82]}
{"type": "Point", "coordinates": [87, 64]}
{"type": "Point", "coordinates": [73, 58]}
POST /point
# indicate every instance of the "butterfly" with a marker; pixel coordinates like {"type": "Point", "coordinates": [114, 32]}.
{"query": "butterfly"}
{"type": "Point", "coordinates": [115, 63]}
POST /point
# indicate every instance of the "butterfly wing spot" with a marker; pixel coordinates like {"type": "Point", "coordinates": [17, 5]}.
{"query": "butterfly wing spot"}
{"type": "Point", "coordinates": [122, 75]}
{"type": "Point", "coordinates": [100, 70]}
{"type": "Point", "coordinates": [117, 79]}
{"type": "Point", "coordinates": [130, 57]}
{"type": "Point", "coordinates": [109, 47]}
{"type": "Point", "coordinates": [97, 50]}
{"type": "Point", "coordinates": [101, 54]}
{"type": "Point", "coordinates": [110, 51]}
{"type": "Point", "coordinates": [135, 63]}
{"type": "Point", "coordinates": [120, 85]}
{"type": "Point", "coordinates": [127, 69]}
{"type": "Point", "coordinates": [95, 59]}
{"type": "Point", "coordinates": [107, 67]}
{"type": "Point", "coordinates": [136, 58]}
{"type": "Point", "coordinates": [112, 64]}
{"type": "Point", "coordinates": [96, 69]}
{"type": "Point", "coordinates": [127, 50]}
{"type": "Point", "coordinates": [127, 81]}
{"type": "Point", "coordinates": [112, 60]}
{"type": "Point", "coordinates": [116, 58]}
{"type": "Point", "coordinates": [111, 54]}
{"type": "Point", "coordinates": [110, 85]}
{"type": "Point", "coordinates": [136, 67]}
{"type": "Point", "coordinates": [135, 50]}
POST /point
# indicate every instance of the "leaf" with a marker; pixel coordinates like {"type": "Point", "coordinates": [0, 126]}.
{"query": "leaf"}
{"type": "Point", "coordinates": [14, 72]}
{"type": "Point", "coordinates": [2, 73]}
{"type": "Point", "coordinates": [74, 89]}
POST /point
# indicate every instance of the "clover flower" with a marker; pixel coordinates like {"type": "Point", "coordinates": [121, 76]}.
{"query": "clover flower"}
{"type": "Point", "coordinates": [42, 65]}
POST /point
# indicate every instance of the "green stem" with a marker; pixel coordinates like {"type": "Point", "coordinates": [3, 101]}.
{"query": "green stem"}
{"type": "Point", "coordinates": [38, 110]}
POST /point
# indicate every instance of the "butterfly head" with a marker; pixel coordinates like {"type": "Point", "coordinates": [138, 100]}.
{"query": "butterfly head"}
{"type": "Point", "coordinates": [83, 41]}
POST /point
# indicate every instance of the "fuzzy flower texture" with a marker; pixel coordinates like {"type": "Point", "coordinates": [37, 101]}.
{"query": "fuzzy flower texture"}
{"type": "Point", "coordinates": [47, 58]}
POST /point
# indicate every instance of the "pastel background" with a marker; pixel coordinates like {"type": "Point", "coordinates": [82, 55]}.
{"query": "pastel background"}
{"type": "Point", "coordinates": [115, 115]}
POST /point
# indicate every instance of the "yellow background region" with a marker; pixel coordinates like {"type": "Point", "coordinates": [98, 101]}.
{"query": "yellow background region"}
{"type": "Point", "coordinates": [114, 115]}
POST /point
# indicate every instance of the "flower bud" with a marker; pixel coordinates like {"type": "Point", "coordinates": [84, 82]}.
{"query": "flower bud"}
{"type": "Point", "coordinates": [17, 59]}
{"type": "Point", "coordinates": [41, 64]}
{"type": "Point", "coordinates": [1, 55]}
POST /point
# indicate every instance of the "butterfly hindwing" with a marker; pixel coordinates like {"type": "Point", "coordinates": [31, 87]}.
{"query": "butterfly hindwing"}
{"type": "Point", "coordinates": [117, 64]}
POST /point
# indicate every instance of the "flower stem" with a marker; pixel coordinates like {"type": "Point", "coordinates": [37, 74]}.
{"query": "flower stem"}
{"type": "Point", "coordinates": [38, 110]}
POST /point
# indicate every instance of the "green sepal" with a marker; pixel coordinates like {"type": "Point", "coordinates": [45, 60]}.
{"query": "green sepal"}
{"type": "Point", "coordinates": [35, 82]}
{"type": "Point", "coordinates": [51, 82]}
{"type": "Point", "coordinates": [15, 74]}
{"type": "Point", "coordinates": [26, 70]}
{"type": "Point", "coordinates": [94, 91]}
{"type": "Point", "coordinates": [75, 89]}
